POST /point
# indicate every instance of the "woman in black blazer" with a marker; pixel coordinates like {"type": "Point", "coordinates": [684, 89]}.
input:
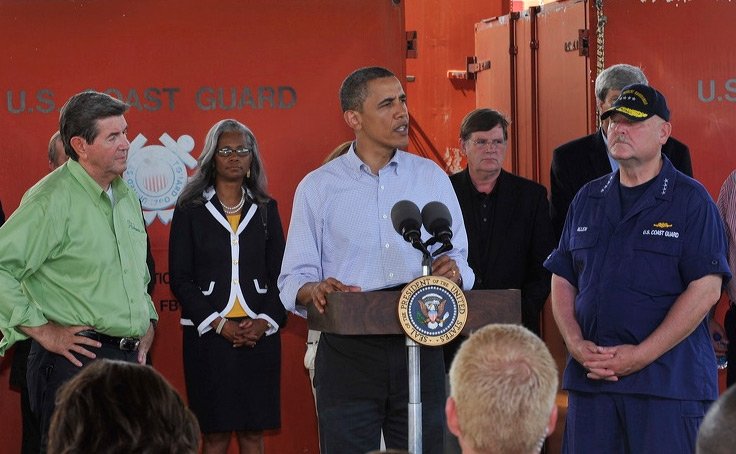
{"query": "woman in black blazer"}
{"type": "Point", "coordinates": [225, 251]}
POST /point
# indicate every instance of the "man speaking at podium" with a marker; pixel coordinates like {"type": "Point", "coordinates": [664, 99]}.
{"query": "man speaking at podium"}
{"type": "Point", "coordinates": [341, 239]}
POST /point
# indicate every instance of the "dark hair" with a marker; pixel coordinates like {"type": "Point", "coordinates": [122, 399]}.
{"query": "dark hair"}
{"type": "Point", "coordinates": [118, 407]}
{"type": "Point", "coordinates": [80, 113]}
{"type": "Point", "coordinates": [483, 120]}
{"type": "Point", "coordinates": [204, 177]}
{"type": "Point", "coordinates": [354, 89]}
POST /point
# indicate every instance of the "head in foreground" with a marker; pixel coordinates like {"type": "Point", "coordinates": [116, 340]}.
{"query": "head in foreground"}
{"type": "Point", "coordinates": [503, 383]}
{"type": "Point", "coordinates": [716, 434]}
{"type": "Point", "coordinates": [120, 407]}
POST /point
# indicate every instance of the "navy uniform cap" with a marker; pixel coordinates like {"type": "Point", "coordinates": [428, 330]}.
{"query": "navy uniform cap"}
{"type": "Point", "coordinates": [639, 102]}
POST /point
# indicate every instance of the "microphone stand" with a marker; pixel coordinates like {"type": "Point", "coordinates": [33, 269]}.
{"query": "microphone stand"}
{"type": "Point", "coordinates": [415, 387]}
{"type": "Point", "coordinates": [446, 246]}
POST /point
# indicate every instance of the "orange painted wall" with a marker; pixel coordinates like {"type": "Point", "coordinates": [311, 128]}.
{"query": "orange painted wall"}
{"type": "Point", "coordinates": [282, 61]}
{"type": "Point", "coordinates": [445, 38]}
{"type": "Point", "coordinates": [159, 54]}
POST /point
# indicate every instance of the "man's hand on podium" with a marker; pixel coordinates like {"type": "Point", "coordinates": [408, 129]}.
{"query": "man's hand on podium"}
{"type": "Point", "coordinates": [446, 267]}
{"type": "Point", "coordinates": [316, 292]}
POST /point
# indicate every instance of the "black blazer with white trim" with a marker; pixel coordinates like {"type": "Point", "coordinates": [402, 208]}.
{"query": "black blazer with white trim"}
{"type": "Point", "coordinates": [210, 266]}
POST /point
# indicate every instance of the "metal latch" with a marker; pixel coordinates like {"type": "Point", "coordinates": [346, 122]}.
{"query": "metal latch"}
{"type": "Point", "coordinates": [411, 44]}
{"type": "Point", "coordinates": [473, 68]}
{"type": "Point", "coordinates": [581, 45]}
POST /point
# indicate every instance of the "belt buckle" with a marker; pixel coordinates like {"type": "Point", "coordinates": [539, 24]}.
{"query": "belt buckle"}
{"type": "Point", "coordinates": [129, 344]}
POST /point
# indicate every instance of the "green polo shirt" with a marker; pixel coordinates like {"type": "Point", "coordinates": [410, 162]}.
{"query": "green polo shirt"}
{"type": "Point", "coordinates": [69, 256]}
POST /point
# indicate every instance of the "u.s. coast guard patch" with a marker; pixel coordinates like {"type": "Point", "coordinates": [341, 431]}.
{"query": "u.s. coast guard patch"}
{"type": "Point", "coordinates": [432, 310]}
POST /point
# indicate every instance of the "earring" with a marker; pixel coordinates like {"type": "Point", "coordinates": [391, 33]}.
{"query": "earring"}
{"type": "Point", "coordinates": [247, 174]}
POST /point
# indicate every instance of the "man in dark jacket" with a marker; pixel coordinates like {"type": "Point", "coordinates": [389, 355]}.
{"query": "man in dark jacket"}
{"type": "Point", "coordinates": [506, 216]}
{"type": "Point", "coordinates": [585, 159]}
{"type": "Point", "coordinates": [507, 221]}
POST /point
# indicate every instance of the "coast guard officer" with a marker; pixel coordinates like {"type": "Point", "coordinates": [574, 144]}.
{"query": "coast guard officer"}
{"type": "Point", "coordinates": [641, 260]}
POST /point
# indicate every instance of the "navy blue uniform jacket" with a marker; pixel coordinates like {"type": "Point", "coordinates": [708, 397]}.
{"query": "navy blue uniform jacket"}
{"type": "Point", "coordinates": [630, 269]}
{"type": "Point", "coordinates": [583, 160]}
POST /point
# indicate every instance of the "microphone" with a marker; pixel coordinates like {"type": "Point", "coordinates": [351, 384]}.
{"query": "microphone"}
{"type": "Point", "coordinates": [407, 222]}
{"type": "Point", "coordinates": [437, 220]}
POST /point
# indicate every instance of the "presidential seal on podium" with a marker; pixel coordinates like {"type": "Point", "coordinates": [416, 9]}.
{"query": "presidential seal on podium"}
{"type": "Point", "coordinates": [432, 310]}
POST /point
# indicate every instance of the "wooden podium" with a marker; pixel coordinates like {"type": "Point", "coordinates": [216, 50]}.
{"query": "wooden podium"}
{"type": "Point", "coordinates": [365, 313]}
{"type": "Point", "coordinates": [359, 313]}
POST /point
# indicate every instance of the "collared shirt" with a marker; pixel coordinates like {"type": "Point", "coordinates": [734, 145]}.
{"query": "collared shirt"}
{"type": "Point", "coordinates": [727, 209]}
{"type": "Point", "coordinates": [341, 225]}
{"type": "Point", "coordinates": [480, 219]}
{"type": "Point", "coordinates": [70, 257]}
{"type": "Point", "coordinates": [630, 268]}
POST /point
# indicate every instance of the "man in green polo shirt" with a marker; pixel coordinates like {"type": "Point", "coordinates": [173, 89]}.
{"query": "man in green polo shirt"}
{"type": "Point", "coordinates": [73, 257]}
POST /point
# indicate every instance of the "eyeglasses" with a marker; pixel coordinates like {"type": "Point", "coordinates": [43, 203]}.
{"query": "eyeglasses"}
{"type": "Point", "coordinates": [240, 151]}
{"type": "Point", "coordinates": [494, 144]}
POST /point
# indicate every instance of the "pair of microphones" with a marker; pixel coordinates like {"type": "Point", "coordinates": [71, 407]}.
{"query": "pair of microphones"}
{"type": "Point", "coordinates": [436, 218]}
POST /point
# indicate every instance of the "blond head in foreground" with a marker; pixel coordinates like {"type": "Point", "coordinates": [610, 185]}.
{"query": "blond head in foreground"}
{"type": "Point", "coordinates": [503, 383]}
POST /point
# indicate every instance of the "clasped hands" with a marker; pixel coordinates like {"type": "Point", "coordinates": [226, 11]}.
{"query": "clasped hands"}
{"type": "Point", "coordinates": [607, 363]}
{"type": "Point", "coordinates": [245, 332]}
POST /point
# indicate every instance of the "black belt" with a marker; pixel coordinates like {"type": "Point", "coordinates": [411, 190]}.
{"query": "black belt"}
{"type": "Point", "coordinates": [128, 344]}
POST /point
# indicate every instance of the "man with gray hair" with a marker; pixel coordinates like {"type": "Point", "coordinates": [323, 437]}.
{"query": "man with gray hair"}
{"type": "Point", "coordinates": [587, 158]}
{"type": "Point", "coordinates": [641, 261]}
{"type": "Point", "coordinates": [73, 267]}
{"type": "Point", "coordinates": [503, 384]}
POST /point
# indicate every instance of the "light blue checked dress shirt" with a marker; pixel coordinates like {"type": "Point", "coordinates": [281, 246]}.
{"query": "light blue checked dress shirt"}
{"type": "Point", "coordinates": [341, 225]}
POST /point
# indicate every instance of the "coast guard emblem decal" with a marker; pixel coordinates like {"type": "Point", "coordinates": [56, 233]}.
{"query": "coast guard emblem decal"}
{"type": "Point", "coordinates": [158, 174]}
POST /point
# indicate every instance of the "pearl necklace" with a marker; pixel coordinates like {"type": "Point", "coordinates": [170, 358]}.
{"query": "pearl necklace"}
{"type": "Point", "coordinates": [236, 209]}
